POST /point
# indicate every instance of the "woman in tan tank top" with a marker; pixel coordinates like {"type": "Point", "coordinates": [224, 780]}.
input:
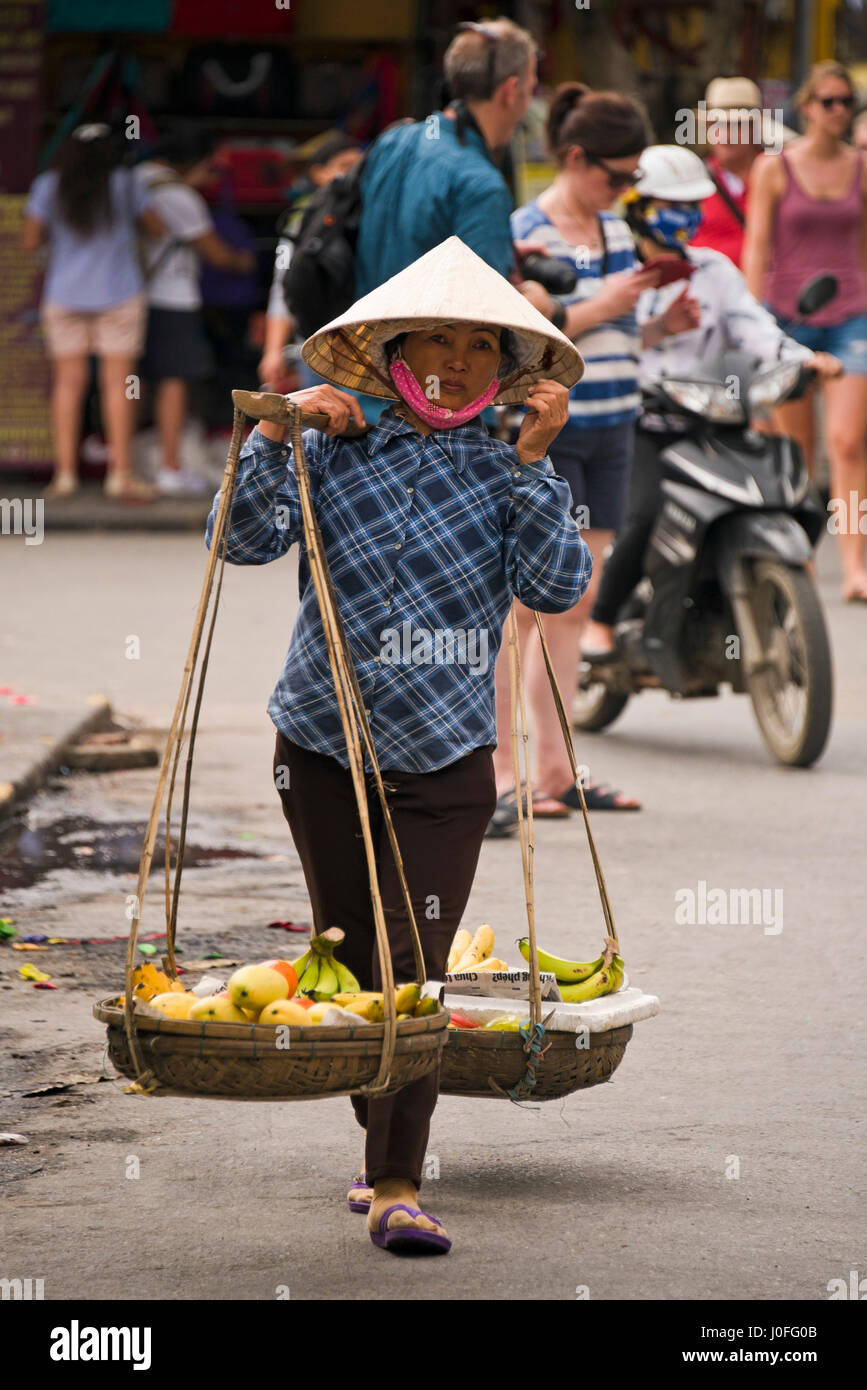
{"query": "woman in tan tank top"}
{"type": "Point", "coordinates": [808, 215]}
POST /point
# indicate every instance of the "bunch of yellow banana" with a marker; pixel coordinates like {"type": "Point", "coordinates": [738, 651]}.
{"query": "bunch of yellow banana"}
{"type": "Point", "coordinates": [473, 953]}
{"type": "Point", "coordinates": [580, 981]}
{"type": "Point", "coordinates": [320, 974]}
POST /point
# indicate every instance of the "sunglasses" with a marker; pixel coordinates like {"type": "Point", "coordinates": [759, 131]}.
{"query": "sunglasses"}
{"type": "Point", "coordinates": [617, 178]}
{"type": "Point", "coordinates": [829, 102]}
{"type": "Point", "coordinates": [490, 36]}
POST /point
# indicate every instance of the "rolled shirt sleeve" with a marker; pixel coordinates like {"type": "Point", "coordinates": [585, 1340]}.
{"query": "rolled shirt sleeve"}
{"type": "Point", "coordinates": [548, 565]}
{"type": "Point", "coordinates": [265, 515]}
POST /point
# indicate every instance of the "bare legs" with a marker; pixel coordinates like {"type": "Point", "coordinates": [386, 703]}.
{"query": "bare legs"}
{"type": "Point", "coordinates": [71, 377]}
{"type": "Point", "coordinates": [67, 399]}
{"type": "Point", "coordinates": [170, 412]}
{"type": "Point", "coordinates": [846, 430]}
{"type": "Point", "coordinates": [845, 400]}
{"type": "Point", "coordinates": [118, 414]}
{"type": "Point", "coordinates": [796, 419]}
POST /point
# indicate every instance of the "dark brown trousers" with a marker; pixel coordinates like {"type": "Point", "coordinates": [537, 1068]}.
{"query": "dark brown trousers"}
{"type": "Point", "coordinates": [439, 820]}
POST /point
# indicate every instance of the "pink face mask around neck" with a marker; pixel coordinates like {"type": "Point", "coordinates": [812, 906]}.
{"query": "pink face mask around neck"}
{"type": "Point", "coordinates": [436, 415]}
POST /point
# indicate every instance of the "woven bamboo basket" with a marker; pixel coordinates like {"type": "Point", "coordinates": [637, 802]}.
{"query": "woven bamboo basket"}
{"type": "Point", "coordinates": [481, 1063]}
{"type": "Point", "coordinates": [246, 1063]}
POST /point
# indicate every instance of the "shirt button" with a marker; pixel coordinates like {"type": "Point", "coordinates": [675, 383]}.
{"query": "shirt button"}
{"type": "Point", "coordinates": [516, 474]}
{"type": "Point", "coordinates": [410, 490]}
{"type": "Point", "coordinates": [398, 545]}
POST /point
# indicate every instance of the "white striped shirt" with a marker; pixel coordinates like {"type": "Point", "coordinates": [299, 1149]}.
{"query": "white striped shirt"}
{"type": "Point", "coordinates": [608, 393]}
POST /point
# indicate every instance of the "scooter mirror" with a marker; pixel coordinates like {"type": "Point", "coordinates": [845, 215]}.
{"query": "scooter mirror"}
{"type": "Point", "coordinates": [816, 294]}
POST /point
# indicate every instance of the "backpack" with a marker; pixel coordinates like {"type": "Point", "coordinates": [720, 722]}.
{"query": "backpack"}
{"type": "Point", "coordinates": [319, 282]}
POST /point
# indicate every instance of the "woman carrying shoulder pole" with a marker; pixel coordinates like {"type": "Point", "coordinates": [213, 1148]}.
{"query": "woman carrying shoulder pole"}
{"type": "Point", "coordinates": [431, 527]}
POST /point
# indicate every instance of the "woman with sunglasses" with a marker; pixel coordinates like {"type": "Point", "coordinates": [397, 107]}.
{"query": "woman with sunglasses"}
{"type": "Point", "coordinates": [596, 139]}
{"type": "Point", "coordinates": [808, 216]}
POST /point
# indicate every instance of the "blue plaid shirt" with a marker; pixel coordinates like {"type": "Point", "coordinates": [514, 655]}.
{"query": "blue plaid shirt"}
{"type": "Point", "coordinates": [428, 539]}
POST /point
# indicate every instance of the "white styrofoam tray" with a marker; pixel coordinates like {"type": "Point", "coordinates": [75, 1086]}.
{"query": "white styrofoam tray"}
{"type": "Point", "coordinates": [628, 1005]}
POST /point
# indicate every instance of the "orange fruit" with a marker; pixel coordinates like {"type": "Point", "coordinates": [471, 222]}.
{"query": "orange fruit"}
{"type": "Point", "coordinates": [287, 970]}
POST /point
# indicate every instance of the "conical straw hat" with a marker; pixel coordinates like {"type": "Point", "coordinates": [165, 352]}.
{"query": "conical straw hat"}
{"type": "Point", "coordinates": [449, 284]}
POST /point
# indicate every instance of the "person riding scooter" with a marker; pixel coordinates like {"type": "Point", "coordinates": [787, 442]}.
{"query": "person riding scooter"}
{"type": "Point", "coordinates": [664, 211]}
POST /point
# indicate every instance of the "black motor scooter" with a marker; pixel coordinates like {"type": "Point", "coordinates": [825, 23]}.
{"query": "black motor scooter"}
{"type": "Point", "coordinates": [726, 596]}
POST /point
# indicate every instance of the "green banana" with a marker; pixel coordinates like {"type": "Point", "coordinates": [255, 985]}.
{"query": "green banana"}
{"type": "Point", "coordinates": [603, 981]}
{"type": "Point", "coordinates": [327, 984]}
{"type": "Point", "coordinates": [309, 981]}
{"type": "Point", "coordinates": [567, 972]}
{"type": "Point", "coordinates": [346, 981]}
{"type": "Point", "coordinates": [301, 964]}
{"type": "Point", "coordinates": [426, 1006]}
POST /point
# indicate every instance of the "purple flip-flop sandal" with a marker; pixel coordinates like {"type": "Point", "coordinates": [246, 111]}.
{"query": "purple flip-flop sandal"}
{"type": "Point", "coordinates": [359, 1182]}
{"type": "Point", "coordinates": [407, 1239]}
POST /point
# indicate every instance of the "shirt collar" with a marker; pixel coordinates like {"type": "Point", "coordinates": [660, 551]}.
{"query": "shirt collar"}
{"type": "Point", "coordinates": [390, 425]}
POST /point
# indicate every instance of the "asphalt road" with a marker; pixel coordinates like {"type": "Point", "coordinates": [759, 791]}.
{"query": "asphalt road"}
{"type": "Point", "coordinates": [722, 1162]}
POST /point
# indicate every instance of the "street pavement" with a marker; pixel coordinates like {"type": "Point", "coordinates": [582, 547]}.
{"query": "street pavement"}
{"type": "Point", "coordinates": [722, 1162]}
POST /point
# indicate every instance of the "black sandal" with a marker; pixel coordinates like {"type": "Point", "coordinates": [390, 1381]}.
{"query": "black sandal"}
{"type": "Point", "coordinates": [598, 796]}
{"type": "Point", "coordinates": [505, 816]}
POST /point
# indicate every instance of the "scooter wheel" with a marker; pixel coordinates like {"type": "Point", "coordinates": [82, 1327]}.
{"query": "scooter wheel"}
{"type": "Point", "coordinates": [792, 695]}
{"type": "Point", "coordinates": [597, 707]}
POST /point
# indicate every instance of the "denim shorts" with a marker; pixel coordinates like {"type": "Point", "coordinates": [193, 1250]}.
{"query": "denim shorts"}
{"type": "Point", "coordinates": [595, 463]}
{"type": "Point", "coordinates": [846, 341]}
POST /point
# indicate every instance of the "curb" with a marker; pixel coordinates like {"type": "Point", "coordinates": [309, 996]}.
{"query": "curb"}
{"type": "Point", "coordinates": [90, 510]}
{"type": "Point", "coordinates": [13, 794]}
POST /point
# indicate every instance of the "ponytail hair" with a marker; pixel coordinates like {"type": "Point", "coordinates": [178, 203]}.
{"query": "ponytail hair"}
{"type": "Point", "coordinates": [606, 124]}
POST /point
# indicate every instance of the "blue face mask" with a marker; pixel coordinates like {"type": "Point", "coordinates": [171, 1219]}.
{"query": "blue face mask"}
{"type": "Point", "coordinates": [672, 224]}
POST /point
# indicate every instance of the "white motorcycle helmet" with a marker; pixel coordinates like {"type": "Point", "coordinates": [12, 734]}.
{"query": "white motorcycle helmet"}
{"type": "Point", "coordinates": [664, 205]}
{"type": "Point", "coordinates": [673, 173]}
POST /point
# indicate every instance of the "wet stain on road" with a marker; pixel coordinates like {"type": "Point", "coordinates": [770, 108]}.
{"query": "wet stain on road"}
{"type": "Point", "coordinates": [28, 854]}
